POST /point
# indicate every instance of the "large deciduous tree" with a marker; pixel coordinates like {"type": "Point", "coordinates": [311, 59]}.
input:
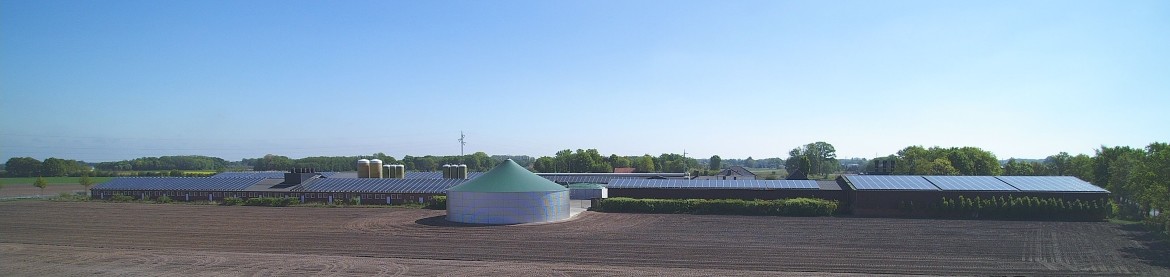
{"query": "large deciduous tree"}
{"type": "Point", "coordinates": [22, 167]}
{"type": "Point", "coordinates": [822, 157]}
{"type": "Point", "coordinates": [916, 160]}
{"type": "Point", "coordinates": [645, 164]}
{"type": "Point", "coordinates": [715, 163]}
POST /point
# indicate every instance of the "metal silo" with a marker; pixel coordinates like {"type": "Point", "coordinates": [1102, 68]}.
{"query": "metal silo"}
{"type": "Point", "coordinates": [375, 168]}
{"type": "Point", "coordinates": [388, 171]}
{"type": "Point", "coordinates": [363, 168]}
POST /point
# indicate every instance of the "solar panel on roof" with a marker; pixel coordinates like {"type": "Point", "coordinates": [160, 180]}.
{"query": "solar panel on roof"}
{"type": "Point", "coordinates": [713, 184]}
{"type": "Point", "coordinates": [1050, 183]}
{"type": "Point", "coordinates": [889, 182]}
{"type": "Point", "coordinates": [585, 178]}
{"type": "Point", "coordinates": [381, 185]}
{"type": "Point", "coordinates": [969, 183]}
{"type": "Point", "coordinates": [178, 183]}
{"type": "Point", "coordinates": [260, 174]}
{"type": "Point", "coordinates": [436, 175]}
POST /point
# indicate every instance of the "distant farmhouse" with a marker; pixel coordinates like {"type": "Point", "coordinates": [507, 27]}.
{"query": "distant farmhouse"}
{"type": "Point", "coordinates": [731, 173]}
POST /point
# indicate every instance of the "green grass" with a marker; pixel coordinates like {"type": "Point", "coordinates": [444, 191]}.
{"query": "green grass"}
{"type": "Point", "coordinates": [51, 180]}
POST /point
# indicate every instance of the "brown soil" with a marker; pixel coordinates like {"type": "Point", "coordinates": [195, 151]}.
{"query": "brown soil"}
{"type": "Point", "coordinates": [15, 191]}
{"type": "Point", "coordinates": [38, 237]}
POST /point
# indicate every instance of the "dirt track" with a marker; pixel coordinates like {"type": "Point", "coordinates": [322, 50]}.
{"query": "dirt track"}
{"type": "Point", "coordinates": [113, 239]}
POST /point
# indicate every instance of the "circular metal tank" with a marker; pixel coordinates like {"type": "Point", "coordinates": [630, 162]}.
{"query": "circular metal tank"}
{"type": "Point", "coordinates": [363, 168]}
{"type": "Point", "coordinates": [508, 194]}
{"type": "Point", "coordinates": [388, 171]}
{"type": "Point", "coordinates": [447, 171]}
{"type": "Point", "coordinates": [375, 168]}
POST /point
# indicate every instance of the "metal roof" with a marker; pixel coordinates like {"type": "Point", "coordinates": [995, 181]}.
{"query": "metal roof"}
{"type": "Point", "coordinates": [178, 183]}
{"type": "Point", "coordinates": [508, 177]}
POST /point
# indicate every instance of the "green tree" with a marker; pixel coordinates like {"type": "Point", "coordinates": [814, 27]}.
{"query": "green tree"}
{"type": "Point", "coordinates": [942, 166]}
{"type": "Point", "coordinates": [22, 167]}
{"type": "Point", "coordinates": [749, 162]}
{"type": "Point", "coordinates": [618, 161]}
{"type": "Point", "coordinates": [268, 162]}
{"type": "Point", "coordinates": [1017, 168]}
{"type": "Point", "coordinates": [715, 163]}
{"type": "Point", "coordinates": [805, 164]}
{"type": "Point", "coordinates": [545, 164]}
{"type": "Point", "coordinates": [645, 164]}
{"type": "Point", "coordinates": [1058, 164]}
{"type": "Point", "coordinates": [40, 183]}
{"type": "Point", "coordinates": [1154, 174]}
{"type": "Point", "coordinates": [821, 155]}
{"type": "Point", "coordinates": [916, 160]}
{"type": "Point", "coordinates": [85, 182]}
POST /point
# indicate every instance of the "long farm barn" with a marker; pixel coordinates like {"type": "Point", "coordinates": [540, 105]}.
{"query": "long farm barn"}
{"type": "Point", "coordinates": [862, 195]}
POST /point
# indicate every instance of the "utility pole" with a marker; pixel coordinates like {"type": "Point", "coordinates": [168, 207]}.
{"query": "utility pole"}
{"type": "Point", "coordinates": [461, 144]}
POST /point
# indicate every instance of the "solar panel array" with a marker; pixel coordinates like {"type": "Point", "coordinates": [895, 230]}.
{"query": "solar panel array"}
{"type": "Point", "coordinates": [713, 184]}
{"type": "Point", "coordinates": [585, 178]}
{"type": "Point", "coordinates": [250, 174]}
{"type": "Point", "coordinates": [381, 185]}
{"type": "Point", "coordinates": [889, 182]}
{"type": "Point", "coordinates": [969, 183]}
{"type": "Point", "coordinates": [260, 174]}
{"type": "Point", "coordinates": [178, 183]}
{"type": "Point", "coordinates": [436, 175]}
{"type": "Point", "coordinates": [1050, 183]}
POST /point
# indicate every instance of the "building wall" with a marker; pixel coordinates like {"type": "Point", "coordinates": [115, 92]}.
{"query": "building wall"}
{"type": "Point", "coordinates": [745, 194]}
{"type": "Point", "coordinates": [887, 203]}
{"type": "Point", "coordinates": [586, 194]}
{"type": "Point", "coordinates": [507, 207]}
{"type": "Point", "coordinates": [305, 197]}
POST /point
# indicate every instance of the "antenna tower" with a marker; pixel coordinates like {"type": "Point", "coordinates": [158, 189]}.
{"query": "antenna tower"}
{"type": "Point", "coordinates": [461, 144]}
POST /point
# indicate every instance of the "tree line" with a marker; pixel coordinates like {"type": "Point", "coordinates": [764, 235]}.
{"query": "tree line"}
{"type": "Point", "coordinates": [165, 163]}
{"type": "Point", "coordinates": [591, 161]}
{"type": "Point", "coordinates": [50, 167]}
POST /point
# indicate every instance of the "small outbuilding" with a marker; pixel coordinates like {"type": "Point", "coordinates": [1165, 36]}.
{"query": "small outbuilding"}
{"type": "Point", "coordinates": [587, 191]}
{"type": "Point", "coordinates": [508, 194]}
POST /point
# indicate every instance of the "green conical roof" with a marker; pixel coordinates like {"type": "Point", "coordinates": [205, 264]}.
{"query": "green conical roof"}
{"type": "Point", "coordinates": [508, 177]}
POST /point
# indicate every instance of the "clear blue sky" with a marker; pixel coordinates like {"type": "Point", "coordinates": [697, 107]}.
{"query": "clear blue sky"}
{"type": "Point", "coordinates": [112, 80]}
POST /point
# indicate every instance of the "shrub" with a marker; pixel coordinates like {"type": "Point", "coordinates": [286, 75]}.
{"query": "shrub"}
{"type": "Point", "coordinates": [71, 197]}
{"type": "Point", "coordinates": [121, 198]}
{"type": "Point", "coordinates": [233, 201]}
{"type": "Point", "coordinates": [1012, 207]}
{"type": "Point", "coordinates": [270, 201]}
{"type": "Point", "coordinates": [437, 203]}
{"type": "Point", "coordinates": [164, 199]}
{"type": "Point", "coordinates": [783, 207]}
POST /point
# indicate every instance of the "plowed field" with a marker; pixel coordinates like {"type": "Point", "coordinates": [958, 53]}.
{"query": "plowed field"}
{"type": "Point", "coordinates": [48, 238]}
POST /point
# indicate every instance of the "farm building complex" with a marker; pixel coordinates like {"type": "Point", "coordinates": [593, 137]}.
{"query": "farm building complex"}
{"type": "Point", "coordinates": [374, 183]}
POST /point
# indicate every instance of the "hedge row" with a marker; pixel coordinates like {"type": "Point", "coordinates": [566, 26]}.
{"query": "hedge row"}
{"type": "Point", "coordinates": [1013, 207]}
{"type": "Point", "coordinates": [437, 203]}
{"type": "Point", "coordinates": [261, 201]}
{"type": "Point", "coordinates": [784, 207]}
